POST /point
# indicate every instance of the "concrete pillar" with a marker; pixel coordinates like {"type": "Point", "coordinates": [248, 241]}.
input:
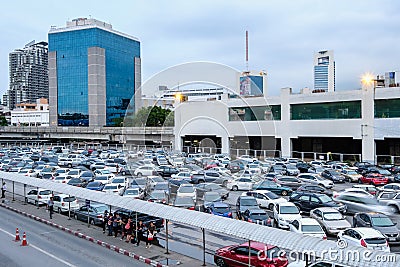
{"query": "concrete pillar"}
{"type": "Point", "coordinates": [225, 144]}
{"type": "Point", "coordinates": [367, 130]}
{"type": "Point", "coordinates": [97, 86]}
{"type": "Point", "coordinates": [286, 142]}
{"type": "Point", "coordinates": [53, 89]}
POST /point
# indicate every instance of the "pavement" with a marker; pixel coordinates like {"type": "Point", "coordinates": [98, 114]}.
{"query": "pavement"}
{"type": "Point", "coordinates": [154, 256]}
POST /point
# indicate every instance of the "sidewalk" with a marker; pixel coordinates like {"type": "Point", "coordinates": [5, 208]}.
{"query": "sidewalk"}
{"type": "Point", "coordinates": [154, 256]}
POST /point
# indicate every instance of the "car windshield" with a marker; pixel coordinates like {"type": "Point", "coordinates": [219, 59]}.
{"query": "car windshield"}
{"type": "Point", "coordinates": [384, 172]}
{"type": "Point", "coordinates": [75, 172]}
{"type": "Point", "coordinates": [213, 186]}
{"type": "Point", "coordinates": [45, 192]}
{"type": "Point", "coordinates": [272, 195]}
{"type": "Point", "coordinates": [59, 178]}
{"type": "Point", "coordinates": [325, 198]}
{"type": "Point", "coordinates": [333, 216]}
{"type": "Point", "coordinates": [211, 197]}
{"type": "Point", "coordinates": [69, 199]}
{"type": "Point", "coordinates": [140, 181]}
{"type": "Point", "coordinates": [119, 181]}
{"type": "Point", "coordinates": [161, 186]}
{"type": "Point", "coordinates": [291, 167]}
{"type": "Point", "coordinates": [101, 178]}
{"type": "Point", "coordinates": [311, 229]}
{"type": "Point", "coordinates": [248, 202]}
{"type": "Point", "coordinates": [186, 189]}
{"type": "Point", "coordinates": [131, 192]}
{"type": "Point", "coordinates": [110, 187]}
{"type": "Point", "coordinates": [382, 222]}
{"type": "Point", "coordinates": [351, 172]}
{"type": "Point", "coordinates": [289, 210]}
{"type": "Point", "coordinates": [61, 171]}
{"type": "Point", "coordinates": [105, 171]}
{"type": "Point", "coordinates": [221, 209]}
{"type": "Point", "coordinates": [101, 209]}
{"type": "Point", "coordinates": [158, 195]}
{"type": "Point", "coordinates": [184, 201]}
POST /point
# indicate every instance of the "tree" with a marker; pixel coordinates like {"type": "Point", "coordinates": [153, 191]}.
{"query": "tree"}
{"type": "Point", "coordinates": [3, 121]}
{"type": "Point", "coordinates": [151, 117]}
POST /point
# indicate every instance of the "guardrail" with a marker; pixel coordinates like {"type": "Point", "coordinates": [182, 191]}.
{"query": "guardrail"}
{"type": "Point", "coordinates": [207, 222]}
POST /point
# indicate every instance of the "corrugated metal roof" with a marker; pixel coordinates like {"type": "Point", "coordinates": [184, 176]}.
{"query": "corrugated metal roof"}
{"type": "Point", "coordinates": [240, 229]}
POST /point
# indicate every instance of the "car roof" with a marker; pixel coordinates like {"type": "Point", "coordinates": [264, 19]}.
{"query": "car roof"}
{"type": "Point", "coordinates": [327, 209]}
{"type": "Point", "coordinates": [258, 245]}
{"type": "Point", "coordinates": [367, 232]}
{"type": "Point", "coordinates": [308, 221]}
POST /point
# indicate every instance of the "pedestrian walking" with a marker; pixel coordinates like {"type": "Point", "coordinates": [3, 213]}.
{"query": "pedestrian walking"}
{"type": "Point", "coordinates": [151, 232]}
{"type": "Point", "coordinates": [122, 227]}
{"type": "Point", "coordinates": [3, 190]}
{"type": "Point", "coordinates": [50, 207]}
{"type": "Point", "coordinates": [105, 220]}
{"type": "Point", "coordinates": [141, 228]}
{"type": "Point", "coordinates": [110, 224]}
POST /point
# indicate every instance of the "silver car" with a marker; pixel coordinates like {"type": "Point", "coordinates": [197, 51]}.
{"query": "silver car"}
{"type": "Point", "coordinates": [362, 203]}
{"type": "Point", "coordinates": [331, 220]}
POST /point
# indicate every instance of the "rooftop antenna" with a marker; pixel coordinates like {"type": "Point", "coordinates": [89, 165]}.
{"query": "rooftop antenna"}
{"type": "Point", "coordinates": [247, 51]}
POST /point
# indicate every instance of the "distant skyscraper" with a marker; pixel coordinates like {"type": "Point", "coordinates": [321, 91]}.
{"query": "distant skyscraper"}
{"type": "Point", "coordinates": [93, 73]}
{"type": "Point", "coordinates": [324, 71]}
{"type": "Point", "coordinates": [28, 74]}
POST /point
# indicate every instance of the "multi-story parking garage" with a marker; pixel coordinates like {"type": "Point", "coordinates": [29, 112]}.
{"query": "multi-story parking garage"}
{"type": "Point", "coordinates": [363, 123]}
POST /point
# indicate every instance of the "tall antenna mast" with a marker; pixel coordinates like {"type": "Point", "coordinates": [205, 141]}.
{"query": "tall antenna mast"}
{"type": "Point", "coordinates": [247, 51]}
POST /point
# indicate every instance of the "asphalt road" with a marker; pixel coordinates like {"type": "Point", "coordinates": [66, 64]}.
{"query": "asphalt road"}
{"type": "Point", "coordinates": [48, 246]}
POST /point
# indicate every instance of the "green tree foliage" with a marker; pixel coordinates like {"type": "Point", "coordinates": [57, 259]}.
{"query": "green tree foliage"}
{"type": "Point", "coordinates": [3, 121]}
{"type": "Point", "coordinates": [151, 117]}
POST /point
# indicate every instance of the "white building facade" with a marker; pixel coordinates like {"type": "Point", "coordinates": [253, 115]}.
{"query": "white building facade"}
{"type": "Point", "coordinates": [31, 114]}
{"type": "Point", "coordinates": [363, 123]}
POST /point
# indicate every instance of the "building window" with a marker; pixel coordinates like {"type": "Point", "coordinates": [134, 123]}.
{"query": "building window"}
{"type": "Point", "coordinates": [259, 113]}
{"type": "Point", "coordinates": [387, 108]}
{"type": "Point", "coordinates": [326, 111]}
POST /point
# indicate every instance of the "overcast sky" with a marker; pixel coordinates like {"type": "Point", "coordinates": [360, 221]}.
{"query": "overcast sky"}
{"type": "Point", "coordinates": [283, 34]}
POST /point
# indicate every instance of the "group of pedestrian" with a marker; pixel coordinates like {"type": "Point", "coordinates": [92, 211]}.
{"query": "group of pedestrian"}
{"type": "Point", "coordinates": [130, 231]}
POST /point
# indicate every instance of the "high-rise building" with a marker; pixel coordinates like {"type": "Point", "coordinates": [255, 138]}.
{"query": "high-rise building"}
{"type": "Point", "coordinates": [324, 71]}
{"type": "Point", "coordinates": [93, 74]}
{"type": "Point", "coordinates": [28, 75]}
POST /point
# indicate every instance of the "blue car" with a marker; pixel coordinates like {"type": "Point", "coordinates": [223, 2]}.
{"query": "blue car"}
{"type": "Point", "coordinates": [220, 209]}
{"type": "Point", "coordinates": [98, 186]}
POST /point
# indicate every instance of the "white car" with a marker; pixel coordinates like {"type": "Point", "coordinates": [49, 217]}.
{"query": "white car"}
{"type": "Point", "coordinates": [221, 170]}
{"type": "Point", "coordinates": [74, 173]}
{"type": "Point", "coordinates": [113, 189]}
{"type": "Point", "coordinates": [354, 190]}
{"type": "Point", "coordinates": [104, 172]}
{"type": "Point", "coordinates": [62, 172]}
{"type": "Point", "coordinates": [254, 168]}
{"type": "Point", "coordinates": [134, 192]}
{"type": "Point", "coordinates": [265, 199]}
{"type": "Point", "coordinates": [121, 182]}
{"type": "Point", "coordinates": [64, 203]}
{"type": "Point", "coordinates": [241, 183]}
{"type": "Point", "coordinates": [38, 197]}
{"type": "Point", "coordinates": [247, 158]}
{"type": "Point", "coordinates": [307, 226]}
{"type": "Point", "coordinates": [364, 237]}
{"type": "Point", "coordinates": [27, 172]}
{"type": "Point", "coordinates": [313, 178]}
{"type": "Point", "coordinates": [285, 213]}
{"type": "Point", "coordinates": [145, 171]}
{"type": "Point", "coordinates": [331, 220]}
{"type": "Point", "coordinates": [181, 176]}
{"type": "Point", "coordinates": [186, 190]}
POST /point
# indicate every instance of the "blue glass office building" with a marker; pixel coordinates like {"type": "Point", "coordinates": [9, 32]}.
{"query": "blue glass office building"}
{"type": "Point", "coordinates": [93, 74]}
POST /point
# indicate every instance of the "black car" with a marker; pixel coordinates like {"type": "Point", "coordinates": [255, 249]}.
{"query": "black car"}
{"type": "Point", "coordinates": [289, 181]}
{"type": "Point", "coordinates": [166, 171]}
{"type": "Point", "coordinates": [315, 189]}
{"type": "Point", "coordinates": [96, 213]}
{"type": "Point", "coordinates": [78, 182]}
{"type": "Point", "coordinates": [244, 203]}
{"type": "Point", "coordinates": [307, 201]}
{"type": "Point", "coordinates": [257, 216]}
{"type": "Point", "coordinates": [303, 167]}
{"type": "Point", "coordinates": [146, 219]}
{"type": "Point", "coordinates": [380, 222]}
{"type": "Point", "coordinates": [333, 175]}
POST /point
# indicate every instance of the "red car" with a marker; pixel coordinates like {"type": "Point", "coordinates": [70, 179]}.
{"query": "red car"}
{"type": "Point", "coordinates": [262, 255]}
{"type": "Point", "coordinates": [374, 179]}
